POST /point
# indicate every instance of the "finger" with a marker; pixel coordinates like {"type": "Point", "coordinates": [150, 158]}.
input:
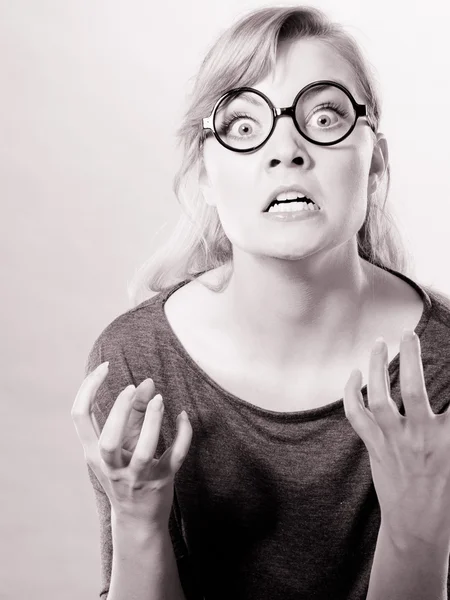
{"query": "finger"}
{"type": "Point", "coordinates": [95, 425]}
{"type": "Point", "coordinates": [359, 416]}
{"type": "Point", "coordinates": [412, 381]}
{"type": "Point", "coordinates": [381, 405]}
{"type": "Point", "coordinates": [148, 438]}
{"type": "Point", "coordinates": [173, 457]}
{"type": "Point", "coordinates": [144, 393]}
{"type": "Point", "coordinates": [82, 409]}
{"type": "Point", "coordinates": [110, 442]}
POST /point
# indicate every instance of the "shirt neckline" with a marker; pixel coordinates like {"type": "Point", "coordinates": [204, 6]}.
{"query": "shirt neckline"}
{"type": "Point", "coordinates": [303, 415]}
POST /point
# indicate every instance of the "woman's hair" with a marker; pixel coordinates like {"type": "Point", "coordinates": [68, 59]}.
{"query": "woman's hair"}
{"type": "Point", "coordinates": [243, 55]}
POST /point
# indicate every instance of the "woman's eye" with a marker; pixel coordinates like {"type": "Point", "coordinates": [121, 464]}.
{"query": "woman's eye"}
{"type": "Point", "coordinates": [324, 118]}
{"type": "Point", "coordinates": [242, 127]}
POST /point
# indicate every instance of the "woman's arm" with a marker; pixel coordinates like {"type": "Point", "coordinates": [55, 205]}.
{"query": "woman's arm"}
{"type": "Point", "coordinates": [144, 565]}
{"type": "Point", "coordinates": [126, 553]}
{"type": "Point", "coordinates": [107, 532]}
{"type": "Point", "coordinates": [411, 476]}
{"type": "Point", "coordinates": [409, 570]}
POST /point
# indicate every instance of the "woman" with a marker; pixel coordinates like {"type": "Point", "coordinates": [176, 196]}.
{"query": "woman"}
{"type": "Point", "coordinates": [287, 479]}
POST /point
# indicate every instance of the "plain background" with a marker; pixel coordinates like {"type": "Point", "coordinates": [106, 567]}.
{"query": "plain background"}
{"type": "Point", "coordinates": [92, 93]}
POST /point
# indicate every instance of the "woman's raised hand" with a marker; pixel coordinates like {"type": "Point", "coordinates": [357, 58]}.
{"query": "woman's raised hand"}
{"type": "Point", "coordinates": [139, 487]}
{"type": "Point", "coordinates": [409, 455]}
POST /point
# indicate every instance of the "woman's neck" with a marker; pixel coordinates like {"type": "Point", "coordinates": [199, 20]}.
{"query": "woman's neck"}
{"type": "Point", "coordinates": [307, 310]}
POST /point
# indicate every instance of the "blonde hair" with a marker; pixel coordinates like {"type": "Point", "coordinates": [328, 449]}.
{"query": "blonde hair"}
{"type": "Point", "coordinates": [243, 55]}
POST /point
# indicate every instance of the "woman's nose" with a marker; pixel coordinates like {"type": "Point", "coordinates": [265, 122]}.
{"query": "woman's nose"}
{"type": "Point", "coordinates": [287, 146]}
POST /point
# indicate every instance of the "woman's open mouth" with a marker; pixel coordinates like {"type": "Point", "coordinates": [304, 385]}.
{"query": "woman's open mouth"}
{"type": "Point", "coordinates": [291, 209]}
{"type": "Point", "coordinates": [284, 206]}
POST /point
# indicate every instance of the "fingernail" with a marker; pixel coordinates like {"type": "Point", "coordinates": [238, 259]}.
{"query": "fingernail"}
{"type": "Point", "coordinates": [357, 375]}
{"type": "Point", "coordinates": [183, 415]}
{"type": "Point", "coordinates": [103, 367]}
{"type": "Point", "coordinates": [379, 345]}
{"type": "Point", "coordinates": [408, 335]}
{"type": "Point", "coordinates": [156, 402]}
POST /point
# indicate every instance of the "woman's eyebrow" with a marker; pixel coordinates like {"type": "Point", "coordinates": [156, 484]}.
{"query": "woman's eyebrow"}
{"type": "Point", "coordinates": [248, 96]}
{"type": "Point", "coordinates": [319, 88]}
{"type": "Point", "coordinates": [344, 83]}
{"type": "Point", "coordinates": [312, 92]}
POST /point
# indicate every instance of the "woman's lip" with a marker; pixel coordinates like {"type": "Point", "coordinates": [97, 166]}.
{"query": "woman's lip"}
{"type": "Point", "coordinates": [297, 215]}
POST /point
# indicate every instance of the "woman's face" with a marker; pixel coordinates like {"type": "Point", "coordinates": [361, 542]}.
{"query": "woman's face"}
{"type": "Point", "coordinates": [336, 177]}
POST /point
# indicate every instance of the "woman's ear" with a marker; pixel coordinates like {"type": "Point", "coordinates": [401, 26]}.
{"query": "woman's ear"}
{"type": "Point", "coordinates": [379, 164]}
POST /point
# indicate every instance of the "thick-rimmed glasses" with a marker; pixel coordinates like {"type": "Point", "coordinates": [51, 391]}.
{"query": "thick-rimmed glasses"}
{"type": "Point", "coordinates": [324, 113]}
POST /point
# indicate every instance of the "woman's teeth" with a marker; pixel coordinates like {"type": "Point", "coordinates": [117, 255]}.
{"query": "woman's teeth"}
{"type": "Point", "coordinates": [292, 207]}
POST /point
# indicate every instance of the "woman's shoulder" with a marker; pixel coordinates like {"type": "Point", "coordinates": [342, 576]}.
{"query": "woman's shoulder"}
{"type": "Point", "coordinates": [132, 335]}
{"type": "Point", "coordinates": [145, 328]}
{"type": "Point", "coordinates": [440, 308]}
{"type": "Point", "coordinates": [441, 299]}
{"type": "Point", "coordinates": [135, 320]}
{"type": "Point", "coordinates": [432, 304]}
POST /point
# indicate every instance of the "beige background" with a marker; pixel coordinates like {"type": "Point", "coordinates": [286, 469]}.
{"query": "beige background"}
{"type": "Point", "coordinates": [92, 93]}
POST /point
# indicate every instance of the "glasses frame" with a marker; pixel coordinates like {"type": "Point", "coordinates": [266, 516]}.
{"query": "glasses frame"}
{"type": "Point", "coordinates": [360, 111]}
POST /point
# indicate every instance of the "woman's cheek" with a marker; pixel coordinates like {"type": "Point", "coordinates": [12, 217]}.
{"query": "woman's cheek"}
{"type": "Point", "coordinates": [351, 177]}
{"type": "Point", "coordinates": [235, 193]}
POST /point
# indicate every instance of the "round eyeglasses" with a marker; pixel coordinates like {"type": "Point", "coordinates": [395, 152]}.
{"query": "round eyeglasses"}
{"type": "Point", "coordinates": [324, 113]}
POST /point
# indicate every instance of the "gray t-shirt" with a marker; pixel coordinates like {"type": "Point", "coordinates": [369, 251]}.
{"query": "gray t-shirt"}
{"type": "Point", "coordinates": [267, 505]}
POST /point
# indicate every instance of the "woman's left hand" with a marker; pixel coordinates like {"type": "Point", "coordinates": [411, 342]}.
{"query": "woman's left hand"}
{"type": "Point", "coordinates": [409, 455]}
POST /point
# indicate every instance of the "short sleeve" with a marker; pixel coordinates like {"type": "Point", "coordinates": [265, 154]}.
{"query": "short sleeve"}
{"type": "Point", "coordinates": [120, 375]}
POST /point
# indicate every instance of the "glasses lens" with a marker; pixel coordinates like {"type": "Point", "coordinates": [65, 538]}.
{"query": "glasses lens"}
{"type": "Point", "coordinates": [243, 120]}
{"type": "Point", "coordinates": [325, 113]}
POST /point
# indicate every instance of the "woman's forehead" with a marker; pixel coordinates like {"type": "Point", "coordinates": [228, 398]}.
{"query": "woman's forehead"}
{"type": "Point", "coordinates": [301, 62]}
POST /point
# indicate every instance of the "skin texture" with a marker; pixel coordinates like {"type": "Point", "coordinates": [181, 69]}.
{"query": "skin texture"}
{"type": "Point", "coordinates": [308, 271]}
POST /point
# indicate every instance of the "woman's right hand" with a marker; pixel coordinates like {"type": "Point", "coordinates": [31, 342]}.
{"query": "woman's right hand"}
{"type": "Point", "coordinates": [138, 486]}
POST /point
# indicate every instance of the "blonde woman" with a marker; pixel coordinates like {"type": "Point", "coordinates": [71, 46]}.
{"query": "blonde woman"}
{"type": "Point", "coordinates": [233, 450]}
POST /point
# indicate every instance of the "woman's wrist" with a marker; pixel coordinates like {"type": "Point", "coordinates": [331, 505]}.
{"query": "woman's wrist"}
{"type": "Point", "coordinates": [123, 522]}
{"type": "Point", "coordinates": [428, 535]}
{"type": "Point", "coordinates": [407, 568]}
{"type": "Point", "coordinates": [144, 564]}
